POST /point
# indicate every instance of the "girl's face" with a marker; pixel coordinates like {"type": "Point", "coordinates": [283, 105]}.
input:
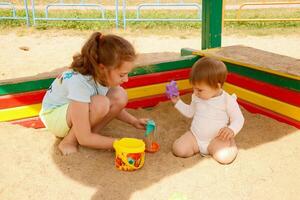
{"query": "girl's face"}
{"type": "Point", "coordinates": [119, 76]}
{"type": "Point", "coordinates": [205, 92]}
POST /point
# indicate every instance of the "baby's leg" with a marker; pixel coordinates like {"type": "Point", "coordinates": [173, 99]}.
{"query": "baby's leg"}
{"type": "Point", "coordinates": [223, 151]}
{"type": "Point", "coordinates": [185, 146]}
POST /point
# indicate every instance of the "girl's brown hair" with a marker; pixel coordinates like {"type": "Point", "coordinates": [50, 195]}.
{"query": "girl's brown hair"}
{"type": "Point", "coordinates": [109, 50]}
{"type": "Point", "coordinates": [210, 71]}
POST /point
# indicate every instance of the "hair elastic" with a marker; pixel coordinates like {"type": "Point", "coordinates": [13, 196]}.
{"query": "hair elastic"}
{"type": "Point", "coordinates": [101, 36]}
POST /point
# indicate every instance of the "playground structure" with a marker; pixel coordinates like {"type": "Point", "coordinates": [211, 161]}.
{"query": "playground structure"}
{"type": "Point", "coordinates": [269, 89]}
{"type": "Point", "coordinates": [14, 12]}
{"type": "Point", "coordinates": [264, 82]}
{"type": "Point", "coordinates": [98, 6]}
{"type": "Point", "coordinates": [82, 5]}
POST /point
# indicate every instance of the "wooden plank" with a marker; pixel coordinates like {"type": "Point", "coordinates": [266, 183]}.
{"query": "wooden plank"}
{"type": "Point", "coordinates": [185, 62]}
{"type": "Point", "coordinates": [256, 59]}
{"type": "Point", "coordinates": [257, 72]}
{"type": "Point", "coordinates": [151, 101]}
{"type": "Point", "coordinates": [150, 90]}
{"type": "Point", "coordinates": [34, 122]}
{"type": "Point", "coordinates": [22, 112]}
{"type": "Point", "coordinates": [19, 112]}
{"type": "Point", "coordinates": [257, 109]}
{"type": "Point", "coordinates": [34, 97]}
{"type": "Point", "coordinates": [266, 89]}
{"type": "Point", "coordinates": [155, 89]}
{"type": "Point", "coordinates": [272, 79]}
{"type": "Point", "coordinates": [282, 94]}
{"type": "Point", "coordinates": [145, 102]}
{"type": "Point", "coordinates": [28, 86]}
{"type": "Point", "coordinates": [265, 102]}
{"type": "Point", "coordinates": [159, 77]}
{"type": "Point", "coordinates": [154, 100]}
{"type": "Point", "coordinates": [21, 99]}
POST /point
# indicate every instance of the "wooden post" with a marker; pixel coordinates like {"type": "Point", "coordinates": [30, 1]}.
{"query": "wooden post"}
{"type": "Point", "coordinates": [211, 23]}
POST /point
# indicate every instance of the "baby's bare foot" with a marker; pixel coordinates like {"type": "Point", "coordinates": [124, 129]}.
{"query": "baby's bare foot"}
{"type": "Point", "coordinates": [67, 148]}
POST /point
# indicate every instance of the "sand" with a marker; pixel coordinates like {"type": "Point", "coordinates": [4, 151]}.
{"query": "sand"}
{"type": "Point", "coordinates": [31, 167]}
{"type": "Point", "coordinates": [51, 50]}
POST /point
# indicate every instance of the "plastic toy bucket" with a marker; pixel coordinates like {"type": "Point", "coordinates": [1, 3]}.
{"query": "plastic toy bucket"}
{"type": "Point", "coordinates": [130, 154]}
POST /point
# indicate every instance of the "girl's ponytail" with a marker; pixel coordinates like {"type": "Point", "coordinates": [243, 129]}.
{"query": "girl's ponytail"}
{"type": "Point", "coordinates": [86, 62]}
{"type": "Point", "coordinates": [109, 50]}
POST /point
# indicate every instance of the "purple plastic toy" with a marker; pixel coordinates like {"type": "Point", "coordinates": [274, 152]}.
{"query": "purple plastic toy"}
{"type": "Point", "coordinates": [172, 89]}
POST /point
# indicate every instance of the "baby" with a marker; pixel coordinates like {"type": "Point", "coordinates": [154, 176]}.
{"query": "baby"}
{"type": "Point", "coordinates": [217, 118]}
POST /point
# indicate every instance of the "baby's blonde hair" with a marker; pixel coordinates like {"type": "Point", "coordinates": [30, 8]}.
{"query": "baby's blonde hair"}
{"type": "Point", "coordinates": [209, 71]}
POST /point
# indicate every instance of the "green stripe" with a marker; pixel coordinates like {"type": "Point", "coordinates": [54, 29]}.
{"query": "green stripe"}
{"type": "Point", "coordinates": [187, 62]}
{"type": "Point", "coordinates": [264, 76]}
{"type": "Point", "coordinates": [25, 86]}
{"type": "Point", "coordinates": [184, 62]}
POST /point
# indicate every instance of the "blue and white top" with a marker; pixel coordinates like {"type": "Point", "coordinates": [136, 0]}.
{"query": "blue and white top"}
{"type": "Point", "coordinates": [69, 86]}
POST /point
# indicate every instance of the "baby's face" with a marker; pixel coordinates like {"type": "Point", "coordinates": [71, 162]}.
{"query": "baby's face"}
{"type": "Point", "coordinates": [205, 92]}
{"type": "Point", "coordinates": [119, 76]}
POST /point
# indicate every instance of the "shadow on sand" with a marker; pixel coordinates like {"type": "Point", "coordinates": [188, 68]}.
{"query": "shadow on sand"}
{"type": "Point", "coordinates": [95, 168]}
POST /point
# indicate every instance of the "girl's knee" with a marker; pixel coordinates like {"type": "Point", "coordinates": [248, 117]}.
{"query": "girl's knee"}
{"type": "Point", "coordinates": [100, 104]}
{"type": "Point", "coordinates": [226, 156]}
{"type": "Point", "coordinates": [118, 97]}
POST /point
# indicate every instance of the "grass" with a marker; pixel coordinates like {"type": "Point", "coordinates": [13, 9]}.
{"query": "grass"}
{"type": "Point", "coordinates": [135, 2]}
{"type": "Point", "coordinates": [251, 28]}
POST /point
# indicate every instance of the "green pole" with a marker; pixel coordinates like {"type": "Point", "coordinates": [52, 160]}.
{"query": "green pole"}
{"type": "Point", "coordinates": [211, 23]}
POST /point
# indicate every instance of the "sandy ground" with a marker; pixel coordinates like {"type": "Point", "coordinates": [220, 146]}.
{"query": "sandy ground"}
{"type": "Point", "coordinates": [31, 167]}
{"type": "Point", "coordinates": [49, 51]}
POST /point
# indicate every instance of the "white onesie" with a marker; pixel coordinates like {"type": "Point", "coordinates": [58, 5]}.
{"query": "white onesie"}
{"type": "Point", "coordinates": [209, 116]}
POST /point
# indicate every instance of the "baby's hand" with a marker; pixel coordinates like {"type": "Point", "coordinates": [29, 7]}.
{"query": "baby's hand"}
{"type": "Point", "coordinates": [140, 123]}
{"type": "Point", "coordinates": [172, 89]}
{"type": "Point", "coordinates": [175, 99]}
{"type": "Point", "coordinates": [225, 133]}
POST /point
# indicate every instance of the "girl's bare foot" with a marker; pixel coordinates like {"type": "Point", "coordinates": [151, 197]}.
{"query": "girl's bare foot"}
{"type": "Point", "coordinates": [67, 148]}
{"type": "Point", "coordinates": [69, 144]}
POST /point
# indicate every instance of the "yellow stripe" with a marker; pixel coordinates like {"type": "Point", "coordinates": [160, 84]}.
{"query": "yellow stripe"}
{"type": "Point", "coordinates": [264, 101]}
{"type": "Point", "coordinates": [133, 93]}
{"type": "Point", "coordinates": [208, 53]}
{"type": "Point", "coordinates": [151, 90]}
{"type": "Point", "coordinates": [19, 112]}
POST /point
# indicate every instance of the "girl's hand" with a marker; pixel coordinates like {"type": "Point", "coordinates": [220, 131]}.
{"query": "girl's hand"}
{"type": "Point", "coordinates": [140, 123]}
{"type": "Point", "coordinates": [175, 99]}
{"type": "Point", "coordinates": [225, 133]}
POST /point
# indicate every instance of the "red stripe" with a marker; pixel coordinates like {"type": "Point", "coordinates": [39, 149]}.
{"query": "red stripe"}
{"type": "Point", "coordinates": [151, 101]}
{"type": "Point", "coordinates": [257, 109]}
{"type": "Point", "coordinates": [21, 99]}
{"type": "Point", "coordinates": [35, 122]}
{"type": "Point", "coordinates": [282, 94]}
{"type": "Point", "coordinates": [150, 79]}
{"type": "Point", "coordinates": [154, 100]}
